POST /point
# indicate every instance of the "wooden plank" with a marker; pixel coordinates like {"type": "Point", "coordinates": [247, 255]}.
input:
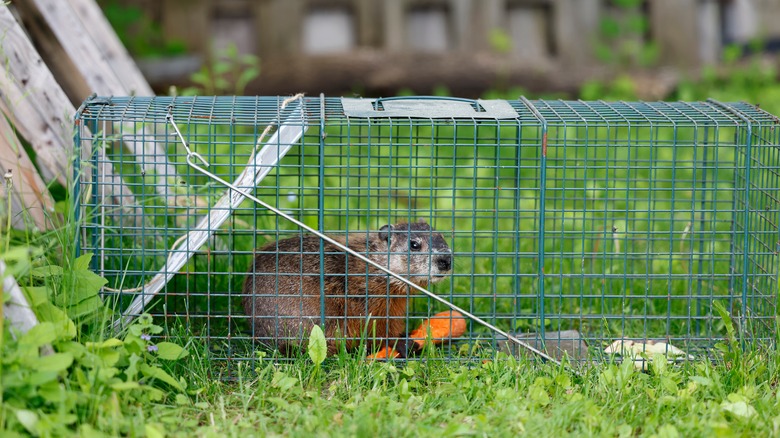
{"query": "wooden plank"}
{"type": "Point", "coordinates": [110, 47]}
{"type": "Point", "coordinates": [31, 202]}
{"type": "Point", "coordinates": [89, 45]}
{"type": "Point", "coordinates": [49, 49]}
{"type": "Point", "coordinates": [81, 44]}
{"type": "Point", "coordinates": [37, 107]}
{"type": "Point", "coordinates": [33, 101]}
{"type": "Point", "coordinates": [17, 309]}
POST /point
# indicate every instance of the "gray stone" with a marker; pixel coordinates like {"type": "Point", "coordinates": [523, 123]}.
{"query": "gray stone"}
{"type": "Point", "coordinates": [560, 344]}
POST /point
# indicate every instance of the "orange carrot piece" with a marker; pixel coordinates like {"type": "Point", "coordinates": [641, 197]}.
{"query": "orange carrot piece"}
{"type": "Point", "coordinates": [443, 325]}
{"type": "Point", "coordinates": [384, 353]}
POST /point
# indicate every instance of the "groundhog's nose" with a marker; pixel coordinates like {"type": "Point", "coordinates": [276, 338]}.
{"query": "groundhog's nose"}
{"type": "Point", "coordinates": [444, 263]}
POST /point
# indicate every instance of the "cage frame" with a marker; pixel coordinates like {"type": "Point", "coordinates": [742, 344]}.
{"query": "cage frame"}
{"type": "Point", "coordinates": [746, 119]}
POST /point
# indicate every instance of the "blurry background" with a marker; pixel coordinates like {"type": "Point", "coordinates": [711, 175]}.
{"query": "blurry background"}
{"type": "Point", "coordinates": [647, 49]}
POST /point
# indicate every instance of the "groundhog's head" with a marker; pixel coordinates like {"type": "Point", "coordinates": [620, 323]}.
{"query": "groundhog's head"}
{"type": "Point", "coordinates": [416, 251]}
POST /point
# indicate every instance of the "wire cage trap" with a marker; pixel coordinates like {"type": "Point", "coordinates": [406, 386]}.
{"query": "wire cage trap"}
{"type": "Point", "coordinates": [566, 220]}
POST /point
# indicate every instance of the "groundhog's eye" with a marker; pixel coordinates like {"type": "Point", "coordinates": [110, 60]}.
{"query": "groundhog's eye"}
{"type": "Point", "coordinates": [415, 245]}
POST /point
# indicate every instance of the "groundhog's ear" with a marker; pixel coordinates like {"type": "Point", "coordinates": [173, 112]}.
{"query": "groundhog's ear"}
{"type": "Point", "coordinates": [421, 221]}
{"type": "Point", "coordinates": [384, 232]}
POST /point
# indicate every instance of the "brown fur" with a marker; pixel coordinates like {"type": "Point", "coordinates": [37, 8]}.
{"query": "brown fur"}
{"type": "Point", "coordinates": [285, 303]}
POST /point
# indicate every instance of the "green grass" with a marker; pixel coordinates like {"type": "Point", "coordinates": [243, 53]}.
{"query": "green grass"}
{"type": "Point", "coordinates": [503, 398]}
{"type": "Point", "coordinates": [103, 393]}
{"type": "Point", "coordinates": [495, 399]}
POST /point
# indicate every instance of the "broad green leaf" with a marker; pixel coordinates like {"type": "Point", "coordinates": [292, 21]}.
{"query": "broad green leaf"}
{"type": "Point", "coordinates": [87, 284]}
{"type": "Point", "coordinates": [159, 374]}
{"type": "Point", "coordinates": [53, 363]}
{"type": "Point", "coordinates": [283, 381]}
{"type": "Point", "coordinates": [109, 356]}
{"type": "Point", "coordinates": [724, 314]}
{"type": "Point", "coordinates": [38, 378]}
{"type": "Point", "coordinates": [105, 373]}
{"type": "Point", "coordinates": [110, 343]}
{"type": "Point", "coordinates": [610, 27]}
{"type": "Point", "coordinates": [36, 295]}
{"type": "Point", "coordinates": [170, 351]}
{"type": "Point", "coordinates": [538, 395]}
{"type": "Point", "coordinates": [739, 409]}
{"type": "Point", "coordinates": [41, 334]}
{"type": "Point", "coordinates": [17, 253]}
{"type": "Point", "coordinates": [18, 260]}
{"type": "Point", "coordinates": [82, 263]}
{"type": "Point", "coordinates": [63, 418]}
{"type": "Point", "coordinates": [221, 83]}
{"type": "Point", "coordinates": [500, 41]}
{"type": "Point", "coordinates": [318, 348]}
{"type": "Point", "coordinates": [249, 59]}
{"type": "Point", "coordinates": [221, 67]}
{"type": "Point", "coordinates": [47, 271]}
{"type": "Point", "coordinates": [87, 431]}
{"type": "Point", "coordinates": [153, 393]}
{"type": "Point", "coordinates": [63, 326]}
{"type": "Point", "coordinates": [704, 381]}
{"type": "Point", "coordinates": [286, 383]}
{"type": "Point", "coordinates": [132, 368]}
{"type": "Point", "coordinates": [52, 391]}
{"type": "Point", "coordinates": [123, 386]}
{"type": "Point", "coordinates": [154, 430]}
{"type": "Point", "coordinates": [200, 78]}
{"type": "Point", "coordinates": [624, 430]}
{"type": "Point", "coordinates": [85, 308]}
{"type": "Point", "coordinates": [29, 420]}
{"type": "Point", "coordinates": [76, 349]}
{"type": "Point", "coordinates": [247, 75]}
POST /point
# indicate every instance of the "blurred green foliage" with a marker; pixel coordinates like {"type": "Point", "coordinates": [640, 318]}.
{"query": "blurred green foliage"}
{"type": "Point", "coordinates": [228, 73]}
{"type": "Point", "coordinates": [753, 79]}
{"type": "Point", "coordinates": [622, 40]}
{"type": "Point", "coordinates": [138, 32]}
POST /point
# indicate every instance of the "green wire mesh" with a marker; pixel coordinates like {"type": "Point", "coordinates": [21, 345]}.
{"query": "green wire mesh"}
{"type": "Point", "coordinates": [617, 220]}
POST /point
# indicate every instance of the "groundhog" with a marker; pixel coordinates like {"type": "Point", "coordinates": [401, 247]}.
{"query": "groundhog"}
{"type": "Point", "coordinates": [282, 288]}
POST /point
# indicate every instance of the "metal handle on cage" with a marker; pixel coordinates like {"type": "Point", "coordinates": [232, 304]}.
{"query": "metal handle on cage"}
{"type": "Point", "coordinates": [474, 103]}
